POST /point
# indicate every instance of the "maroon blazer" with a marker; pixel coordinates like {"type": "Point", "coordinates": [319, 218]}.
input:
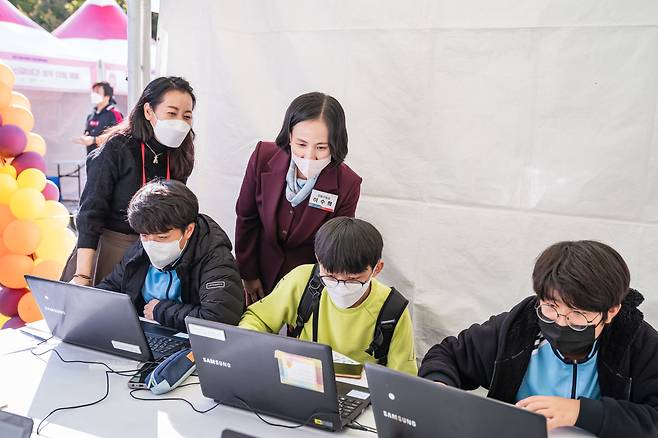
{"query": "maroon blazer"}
{"type": "Point", "coordinates": [272, 237]}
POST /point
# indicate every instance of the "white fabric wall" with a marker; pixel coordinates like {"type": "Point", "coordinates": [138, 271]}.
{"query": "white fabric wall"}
{"type": "Point", "coordinates": [484, 130]}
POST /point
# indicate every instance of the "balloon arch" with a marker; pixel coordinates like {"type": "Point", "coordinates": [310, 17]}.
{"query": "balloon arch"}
{"type": "Point", "coordinates": [34, 234]}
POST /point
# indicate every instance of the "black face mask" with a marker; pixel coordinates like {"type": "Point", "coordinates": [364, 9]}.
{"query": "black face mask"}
{"type": "Point", "coordinates": [567, 340]}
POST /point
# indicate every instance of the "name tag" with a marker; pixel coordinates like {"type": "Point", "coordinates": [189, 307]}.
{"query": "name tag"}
{"type": "Point", "coordinates": [323, 200]}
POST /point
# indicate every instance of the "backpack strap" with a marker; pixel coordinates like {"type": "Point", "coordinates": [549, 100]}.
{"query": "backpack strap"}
{"type": "Point", "coordinates": [388, 317]}
{"type": "Point", "coordinates": [309, 305]}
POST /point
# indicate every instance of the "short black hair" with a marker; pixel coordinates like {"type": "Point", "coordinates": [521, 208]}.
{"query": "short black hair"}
{"type": "Point", "coordinates": [313, 106]}
{"type": "Point", "coordinates": [346, 245]}
{"type": "Point", "coordinates": [586, 274]}
{"type": "Point", "coordinates": [107, 88]}
{"type": "Point", "coordinates": [161, 206]}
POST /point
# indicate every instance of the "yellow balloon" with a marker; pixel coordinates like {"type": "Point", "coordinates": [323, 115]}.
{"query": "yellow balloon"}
{"type": "Point", "coordinates": [27, 204]}
{"type": "Point", "coordinates": [20, 99]}
{"type": "Point", "coordinates": [3, 319]}
{"type": "Point", "coordinates": [8, 186]}
{"type": "Point", "coordinates": [8, 169]}
{"type": "Point", "coordinates": [56, 245]}
{"type": "Point", "coordinates": [35, 143]}
{"type": "Point", "coordinates": [19, 116]}
{"type": "Point", "coordinates": [5, 95]}
{"type": "Point", "coordinates": [54, 214]}
{"type": "Point", "coordinates": [7, 75]}
{"type": "Point", "coordinates": [31, 179]}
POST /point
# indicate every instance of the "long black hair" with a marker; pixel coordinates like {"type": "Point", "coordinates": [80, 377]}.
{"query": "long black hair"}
{"type": "Point", "coordinates": [312, 106]}
{"type": "Point", "coordinates": [138, 127]}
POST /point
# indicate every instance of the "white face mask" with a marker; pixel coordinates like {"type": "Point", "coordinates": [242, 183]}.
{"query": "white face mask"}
{"type": "Point", "coordinates": [96, 98]}
{"type": "Point", "coordinates": [310, 168]}
{"type": "Point", "coordinates": [171, 132]}
{"type": "Point", "coordinates": [162, 254]}
{"type": "Point", "coordinates": [343, 297]}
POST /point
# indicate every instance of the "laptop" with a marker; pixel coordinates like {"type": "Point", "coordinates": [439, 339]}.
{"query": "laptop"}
{"type": "Point", "coordinates": [15, 426]}
{"type": "Point", "coordinates": [409, 406]}
{"type": "Point", "coordinates": [102, 320]}
{"type": "Point", "coordinates": [273, 375]}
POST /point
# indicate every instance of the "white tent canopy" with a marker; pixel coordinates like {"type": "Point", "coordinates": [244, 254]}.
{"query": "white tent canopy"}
{"type": "Point", "coordinates": [484, 131]}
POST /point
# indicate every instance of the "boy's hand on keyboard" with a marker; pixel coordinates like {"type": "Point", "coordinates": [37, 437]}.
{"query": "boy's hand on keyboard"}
{"type": "Point", "coordinates": [148, 309]}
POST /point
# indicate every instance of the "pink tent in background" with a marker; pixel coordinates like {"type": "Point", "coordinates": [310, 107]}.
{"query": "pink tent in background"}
{"type": "Point", "coordinates": [99, 28]}
{"type": "Point", "coordinates": [39, 60]}
{"type": "Point", "coordinates": [56, 78]}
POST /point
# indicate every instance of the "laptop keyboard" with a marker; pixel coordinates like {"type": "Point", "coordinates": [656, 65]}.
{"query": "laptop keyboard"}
{"type": "Point", "coordinates": [164, 345]}
{"type": "Point", "coordinates": [347, 405]}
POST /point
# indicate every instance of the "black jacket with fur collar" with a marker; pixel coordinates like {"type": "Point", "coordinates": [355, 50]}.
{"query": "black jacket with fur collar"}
{"type": "Point", "coordinates": [495, 355]}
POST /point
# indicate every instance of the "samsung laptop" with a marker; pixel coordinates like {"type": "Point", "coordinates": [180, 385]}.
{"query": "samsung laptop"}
{"type": "Point", "coordinates": [273, 375]}
{"type": "Point", "coordinates": [101, 320]}
{"type": "Point", "coordinates": [408, 406]}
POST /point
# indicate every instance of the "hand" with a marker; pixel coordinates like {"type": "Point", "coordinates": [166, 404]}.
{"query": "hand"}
{"type": "Point", "coordinates": [85, 140]}
{"type": "Point", "coordinates": [148, 309]}
{"type": "Point", "coordinates": [559, 411]}
{"type": "Point", "coordinates": [253, 290]}
{"type": "Point", "coordinates": [80, 281]}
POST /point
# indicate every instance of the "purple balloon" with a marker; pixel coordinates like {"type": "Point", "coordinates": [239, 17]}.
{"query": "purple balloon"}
{"type": "Point", "coordinates": [12, 140]}
{"type": "Point", "coordinates": [28, 160]}
{"type": "Point", "coordinates": [15, 322]}
{"type": "Point", "coordinates": [50, 192]}
{"type": "Point", "coordinates": [9, 299]}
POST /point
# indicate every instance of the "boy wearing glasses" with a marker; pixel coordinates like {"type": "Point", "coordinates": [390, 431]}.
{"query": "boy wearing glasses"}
{"type": "Point", "coordinates": [349, 254]}
{"type": "Point", "coordinates": [578, 352]}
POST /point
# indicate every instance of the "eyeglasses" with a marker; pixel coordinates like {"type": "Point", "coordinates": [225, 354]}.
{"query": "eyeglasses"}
{"type": "Point", "coordinates": [575, 319]}
{"type": "Point", "coordinates": [350, 285]}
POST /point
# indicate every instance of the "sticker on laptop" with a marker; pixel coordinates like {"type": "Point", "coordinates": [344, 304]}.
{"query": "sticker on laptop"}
{"type": "Point", "coordinates": [323, 200]}
{"type": "Point", "coordinates": [300, 371]}
{"type": "Point", "coordinates": [358, 394]}
{"type": "Point", "coordinates": [207, 332]}
{"type": "Point", "coordinates": [131, 348]}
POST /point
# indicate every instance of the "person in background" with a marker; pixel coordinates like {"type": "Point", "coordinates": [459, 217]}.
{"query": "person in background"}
{"type": "Point", "coordinates": [577, 352]}
{"type": "Point", "coordinates": [156, 141]}
{"type": "Point", "coordinates": [104, 115]}
{"type": "Point", "coordinates": [182, 263]}
{"type": "Point", "coordinates": [349, 258]}
{"type": "Point", "coordinates": [290, 188]}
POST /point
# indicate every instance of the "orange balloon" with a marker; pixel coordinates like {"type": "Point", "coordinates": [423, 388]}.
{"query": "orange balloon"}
{"type": "Point", "coordinates": [22, 236]}
{"type": "Point", "coordinates": [20, 99]}
{"type": "Point", "coordinates": [19, 116]}
{"type": "Point", "coordinates": [5, 95]}
{"type": "Point", "coordinates": [50, 269]}
{"type": "Point", "coordinates": [35, 143]}
{"type": "Point", "coordinates": [28, 309]}
{"type": "Point", "coordinates": [5, 217]}
{"type": "Point", "coordinates": [3, 248]}
{"type": "Point", "coordinates": [7, 75]}
{"type": "Point", "coordinates": [12, 269]}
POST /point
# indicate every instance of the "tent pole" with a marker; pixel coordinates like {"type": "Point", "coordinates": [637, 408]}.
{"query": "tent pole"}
{"type": "Point", "coordinates": [139, 48]}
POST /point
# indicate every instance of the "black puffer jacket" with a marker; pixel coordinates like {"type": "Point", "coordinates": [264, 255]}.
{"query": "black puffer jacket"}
{"type": "Point", "coordinates": [495, 355]}
{"type": "Point", "coordinates": [210, 284]}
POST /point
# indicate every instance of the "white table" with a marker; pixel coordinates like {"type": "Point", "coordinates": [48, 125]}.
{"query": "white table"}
{"type": "Point", "coordinates": [33, 386]}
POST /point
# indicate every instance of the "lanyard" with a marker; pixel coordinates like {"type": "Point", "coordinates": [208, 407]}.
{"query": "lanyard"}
{"type": "Point", "coordinates": [144, 166]}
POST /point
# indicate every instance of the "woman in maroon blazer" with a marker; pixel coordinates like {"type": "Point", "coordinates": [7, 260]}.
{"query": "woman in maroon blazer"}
{"type": "Point", "coordinates": [290, 189]}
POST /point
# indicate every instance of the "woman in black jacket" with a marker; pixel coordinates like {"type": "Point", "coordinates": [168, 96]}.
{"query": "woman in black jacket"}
{"type": "Point", "coordinates": [156, 141]}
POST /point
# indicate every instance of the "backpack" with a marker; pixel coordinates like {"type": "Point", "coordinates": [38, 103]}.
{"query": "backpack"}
{"type": "Point", "coordinates": [388, 317]}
